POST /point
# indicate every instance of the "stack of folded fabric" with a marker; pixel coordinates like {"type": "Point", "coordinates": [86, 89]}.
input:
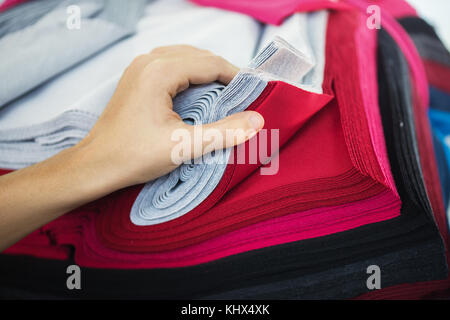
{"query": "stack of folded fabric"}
{"type": "Point", "coordinates": [436, 60]}
{"type": "Point", "coordinates": [304, 222]}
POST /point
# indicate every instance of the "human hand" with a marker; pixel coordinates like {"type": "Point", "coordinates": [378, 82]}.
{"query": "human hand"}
{"type": "Point", "coordinates": [131, 142]}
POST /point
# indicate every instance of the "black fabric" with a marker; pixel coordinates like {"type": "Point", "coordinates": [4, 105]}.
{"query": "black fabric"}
{"type": "Point", "coordinates": [416, 25]}
{"type": "Point", "coordinates": [427, 42]}
{"type": "Point", "coordinates": [396, 108]}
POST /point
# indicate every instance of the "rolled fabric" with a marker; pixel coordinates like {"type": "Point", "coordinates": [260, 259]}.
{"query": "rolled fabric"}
{"type": "Point", "coordinates": [183, 189]}
{"type": "Point", "coordinates": [278, 60]}
{"type": "Point", "coordinates": [180, 191]}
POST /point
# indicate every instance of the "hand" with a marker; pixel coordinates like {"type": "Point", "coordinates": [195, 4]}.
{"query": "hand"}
{"type": "Point", "coordinates": [133, 135]}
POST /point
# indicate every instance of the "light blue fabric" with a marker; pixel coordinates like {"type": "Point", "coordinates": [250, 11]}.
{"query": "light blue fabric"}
{"type": "Point", "coordinates": [440, 122]}
{"type": "Point", "coordinates": [36, 53]}
{"type": "Point", "coordinates": [24, 15]}
{"type": "Point", "coordinates": [22, 147]}
{"type": "Point", "coordinates": [186, 187]}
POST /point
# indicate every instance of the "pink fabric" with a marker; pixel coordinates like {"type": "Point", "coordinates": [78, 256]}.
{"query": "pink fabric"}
{"type": "Point", "coordinates": [366, 44]}
{"type": "Point", "coordinates": [407, 46]}
{"type": "Point", "coordinates": [5, 5]}
{"type": "Point", "coordinates": [396, 8]}
{"type": "Point", "coordinates": [275, 11]}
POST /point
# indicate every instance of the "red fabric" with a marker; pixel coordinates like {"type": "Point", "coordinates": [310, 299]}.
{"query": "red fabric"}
{"type": "Point", "coordinates": [338, 166]}
{"type": "Point", "coordinates": [5, 5]}
{"type": "Point", "coordinates": [438, 75]}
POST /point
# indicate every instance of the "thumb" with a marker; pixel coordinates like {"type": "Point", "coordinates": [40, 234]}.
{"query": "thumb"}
{"type": "Point", "coordinates": [226, 133]}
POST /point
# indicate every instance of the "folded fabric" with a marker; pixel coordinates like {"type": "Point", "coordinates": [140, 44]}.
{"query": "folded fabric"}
{"type": "Point", "coordinates": [103, 23]}
{"type": "Point", "coordinates": [24, 15]}
{"type": "Point", "coordinates": [274, 12]}
{"type": "Point", "coordinates": [438, 74]}
{"type": "Point", "coordinates": [347, 136]}
{"type": "Point", "coordinates": [432, 49]}
{"type": "Point", "coordinates": [7, 4]}
{"type": "Point", "coordinates": [306, 33]}
{"type": "Point", "coordinates": [341, 282]}
{"type": "Point", "coordinates": [158, 202]}
{"type": "Point", "coordinates": [325, 182]}
{"type": "Point", "coordinates": [186, 187]}
{"type": "Point", "coordinates": [440, 121]}
{"type": "Point", "coordinates": [439, 100]}
{"type": "Point", "coordinates": [22, 147]}
{"type": "Point", "coordinates": [436, 58]}
{"type": "Point", "coordinates": [161, 24]}
{"type": "Point", "coordinates": [64, 238]}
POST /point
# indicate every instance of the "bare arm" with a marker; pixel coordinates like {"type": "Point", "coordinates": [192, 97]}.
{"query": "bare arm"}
{"type": "Point", "coordinates": [130, 144]}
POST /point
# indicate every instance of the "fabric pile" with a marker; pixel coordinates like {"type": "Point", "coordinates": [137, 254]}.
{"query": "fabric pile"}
{"type": "Point", "coordinates": [360, 177]}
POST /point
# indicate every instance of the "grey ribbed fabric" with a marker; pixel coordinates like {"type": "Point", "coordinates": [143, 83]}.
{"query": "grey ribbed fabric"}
{"type": "Point", "coordinates": [183, 189]}
{"type": "Point", "coordinates": [24, 15]}
{"type": "Point", "coordinates": [22, 147]}
{"type": "Point", "coordinates": [26, 63]}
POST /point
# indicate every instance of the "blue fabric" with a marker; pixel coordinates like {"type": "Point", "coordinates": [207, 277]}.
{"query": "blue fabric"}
{"type": "Point", "coordinates": [439, 115]}
{"type": "Point", "coordinates": [439, 99]}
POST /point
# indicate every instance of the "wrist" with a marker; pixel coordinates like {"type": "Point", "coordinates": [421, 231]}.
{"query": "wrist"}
{"type": "Point", "coordinates": [98, 173]}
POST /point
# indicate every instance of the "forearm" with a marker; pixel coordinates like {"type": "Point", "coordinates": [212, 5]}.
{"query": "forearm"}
{"type": "Point", "coordinates": [36, 195]}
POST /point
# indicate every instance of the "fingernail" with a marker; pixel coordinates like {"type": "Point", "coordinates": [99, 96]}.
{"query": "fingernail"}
{"type": "Point", "coordinates": [256, 121]}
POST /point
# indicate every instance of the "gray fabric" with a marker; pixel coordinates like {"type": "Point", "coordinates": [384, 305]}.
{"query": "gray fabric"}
{"type": "Point", "coordinates": [22, 147]}
{"type": "Point", "coordinates": [306, 34]}
{"type": "Point", "coordinates": [187, 186]}
{"type": "Point", "coordinates": [26, 63]}
{"type": "Point", "coordinates": [432, 49]}
{"type": "Point", "coordinates": [24, 15]}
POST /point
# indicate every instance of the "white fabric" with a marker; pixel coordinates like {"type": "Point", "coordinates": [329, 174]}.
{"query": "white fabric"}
{"type": "Point", "coordinates": [306, 32]}
{"type": "Point", "coordinates": [165, 22]}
